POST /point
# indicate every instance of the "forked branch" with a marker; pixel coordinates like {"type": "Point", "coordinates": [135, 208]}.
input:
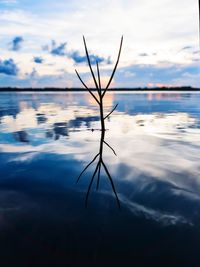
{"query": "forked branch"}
{"type": "Point", "coordinates": [97, 172]}
{"type": "Point", "coordinates": [87, 87]}
{"type": "Point", "coordinates": [98, 85]}
{"type": "Point", "coordinates": [101, 94]}
{"type": "Point", "coordinates": [87, 167]}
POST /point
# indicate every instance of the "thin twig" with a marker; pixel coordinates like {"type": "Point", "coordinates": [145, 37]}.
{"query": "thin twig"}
{"type": "Point", "coordinates": [89, 63]}
{"type": "Point", "coordinates": [111, 112]}
{"type": "Point", "coordinates": [99, 80]}
{"type": "Point", "coordinates": [98, 179]}
{"type": "Point", "coordinates": [92, 179]}
{"type": "Point", "coordinates": [87, 87]}
{"type": "Point", "coordinates": [112, 184]}
{"type": "Point", "coordinates": [100, 103]}
{"type": "Point", "coordinates": [87, 167]}
{"type": "Point", "coordinates": [110, 147]}
{"type": "Point", "coordinates": [111, 77]}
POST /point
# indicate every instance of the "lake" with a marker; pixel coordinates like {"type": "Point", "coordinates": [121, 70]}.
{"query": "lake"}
{"type": "Point", "coordinates": [144, 212]}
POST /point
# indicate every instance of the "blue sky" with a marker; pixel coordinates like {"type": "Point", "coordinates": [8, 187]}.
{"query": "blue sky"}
{"type": "Point", "coordinates": [41, 42]}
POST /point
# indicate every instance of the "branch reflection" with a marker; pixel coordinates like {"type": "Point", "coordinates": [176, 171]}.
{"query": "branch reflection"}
{"type": "Point", "coordinates": [99, 100]}
{"type": "Point", "coordinates": [100, 165]}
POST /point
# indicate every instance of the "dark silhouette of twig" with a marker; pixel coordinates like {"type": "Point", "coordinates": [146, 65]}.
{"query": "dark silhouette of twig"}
{"type": "Point", "coordinates": [111, 112]}
{"type": "Point", "coordinates": [111, 181]}
{"type": "Point", "coordinates": [86, 87]}
{"type": "Point", "coordinates": [98, 178]}
{"type": "Point", "coordinates": [99, 101]}
{"type": "Point", "coordinates": [87, 167]}
{"type": "Point", "coordinates": [112, 75]}
{"type": "Point", "coordinates": [97, 172]}
{"type": "Point", "coordinates": [90, 185]}
{"type": "Point", "coordinates": [99, 79]}
{"type": "Point", "coordinates": [110, 147]}
{"type": "Point", "coordinates": [88, 59]}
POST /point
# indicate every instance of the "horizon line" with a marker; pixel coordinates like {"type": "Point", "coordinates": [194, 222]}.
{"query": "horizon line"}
{"type": "Point", "coordinates": [181, 88]}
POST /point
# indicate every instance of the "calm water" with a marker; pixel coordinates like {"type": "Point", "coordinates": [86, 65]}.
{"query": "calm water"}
{"type": "Point", "coordinates": [46, 140]}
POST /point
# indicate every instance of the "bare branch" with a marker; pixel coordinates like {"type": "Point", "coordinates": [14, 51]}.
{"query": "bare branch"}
{"type": "Point", "coordinates": [87, 167]}
{"type": "Point", "coordinates": [92, 179]}
{"type": "Point", "coordinates": [99, 80]}
{"type": "Point", "coordinates": [89, 63]}
{"type": "Point", "coordinates": [99, 100]}
{"type": "Point", "coordinates": [98, 179]}
{"type": "Point", "coordinates": [110, 147]}
{"type": "Point", "coordinates": [112, 184]}
{"type": "Point", "coordinates": [87, 87]}
{"type": "Point", "coordinates": [110, 112]}
{"type": "Point", "coordinates": [111, 77]}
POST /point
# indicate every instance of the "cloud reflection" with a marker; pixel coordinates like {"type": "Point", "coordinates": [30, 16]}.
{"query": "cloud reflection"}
{"type": "Point", "coordinates": [158, 151]}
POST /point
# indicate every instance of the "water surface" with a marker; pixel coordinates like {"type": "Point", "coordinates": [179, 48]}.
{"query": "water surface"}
{"type": "Point", "coordinates": [46, 140]}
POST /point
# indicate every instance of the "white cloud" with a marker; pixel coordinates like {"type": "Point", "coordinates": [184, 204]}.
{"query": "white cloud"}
{"type": "Point", "coordinates": [159, 28]}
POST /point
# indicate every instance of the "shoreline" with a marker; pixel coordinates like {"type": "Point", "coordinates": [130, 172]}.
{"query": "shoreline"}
{"type": "Point", "coordinates": [168, 89]}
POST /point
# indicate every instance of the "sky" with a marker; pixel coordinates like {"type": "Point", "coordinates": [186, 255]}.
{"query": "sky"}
{"type": "Point", "coordinates": [41, 42]}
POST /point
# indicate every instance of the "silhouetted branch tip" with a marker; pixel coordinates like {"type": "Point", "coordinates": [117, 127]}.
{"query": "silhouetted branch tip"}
{"type": "Point", "coordinates": [110, 148]}
{"type": "Point", "coordinates": [111, 112]}
{"type": "Point", "coordinates": [87, 87]}
{"type": "Point", "coordinates": [89, 63]}
{"type": "Point", "coordinates": [113, 73]}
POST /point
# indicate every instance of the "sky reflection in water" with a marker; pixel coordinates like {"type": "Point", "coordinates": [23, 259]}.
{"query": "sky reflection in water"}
{"type": "Point", "coordinates": [46, 140]}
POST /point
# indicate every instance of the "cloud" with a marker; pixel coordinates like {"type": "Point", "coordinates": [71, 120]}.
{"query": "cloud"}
{"type": "Point", "coordinates": [38, 60]}
{"type": "Point", "coordinates": [45, 48]}
{"type": "Point", "coordinates": [186, 47]}
{"type": "Point", "coordinates": [196, 59]}
{"type": "Point", "coordinates": [143, 55]}
{"type": "Point", "coordinates": [16, 43]}
{"type": "Point", "coordinates": [167, 74]}
{"type": "Point", "coordinates": [46, 20]}
{"type": "Point", "coordinates": [34, 73]}
{"type": "Point", "coordinates": [8, 67]}
{"type": "Point", "coordinates": [129, 74]}
{"type": "Point", "coordinates": [196, 52]}
{"type": "Point", "coordinates": [58, 50]}
{"type": "Point", "coordinates": [93, 58]}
